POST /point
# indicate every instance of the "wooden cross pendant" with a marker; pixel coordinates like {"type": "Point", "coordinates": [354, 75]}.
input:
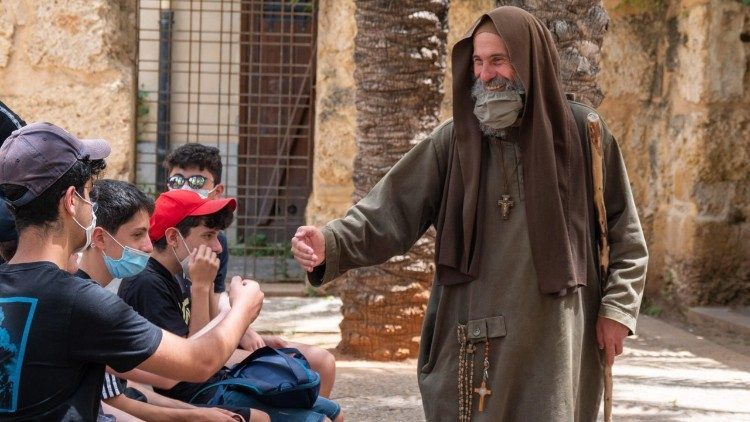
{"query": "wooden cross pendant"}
{"type": "Point", "coordinates": [505, 203]}
{"type": "Point", "coordinates": [482, 391]}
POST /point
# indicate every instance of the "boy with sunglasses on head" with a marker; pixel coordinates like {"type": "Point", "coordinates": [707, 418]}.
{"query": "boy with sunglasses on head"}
{"type": "Point", "coordinates": [198, 168]}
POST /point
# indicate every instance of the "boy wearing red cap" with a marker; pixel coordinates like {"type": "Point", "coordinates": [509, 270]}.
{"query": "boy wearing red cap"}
{"type": "Point", "coordinates": [198, 168]}
{"type": "Point", "coordinates": [184, 230]}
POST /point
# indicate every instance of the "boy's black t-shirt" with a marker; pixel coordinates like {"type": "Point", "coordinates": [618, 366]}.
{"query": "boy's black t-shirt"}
{"type": "Point", "coordinates": [164, 300]}
{"type": "Point", "coordinates": [57, 333]}
{"type": "Point", "coordinates": [159, 296]}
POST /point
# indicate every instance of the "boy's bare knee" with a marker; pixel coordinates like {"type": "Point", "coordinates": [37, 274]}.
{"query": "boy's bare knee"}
{"type": "Point", "coordinates": [259, 416]}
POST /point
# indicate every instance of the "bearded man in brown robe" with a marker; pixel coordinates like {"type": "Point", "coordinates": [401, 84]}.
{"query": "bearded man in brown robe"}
{"type": "Point", "coordinates": [518, 325]}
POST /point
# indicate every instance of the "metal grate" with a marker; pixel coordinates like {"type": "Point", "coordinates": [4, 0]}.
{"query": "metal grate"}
{"type": "Point", "coordinates": [239, 75]}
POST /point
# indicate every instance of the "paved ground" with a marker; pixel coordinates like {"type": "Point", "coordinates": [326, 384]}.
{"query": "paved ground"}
{"type": "Point", "coordinates": [666, 374]}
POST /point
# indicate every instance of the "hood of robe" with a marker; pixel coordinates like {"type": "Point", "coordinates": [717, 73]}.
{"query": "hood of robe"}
{"type": "Point", "coordinates": [552, 157]}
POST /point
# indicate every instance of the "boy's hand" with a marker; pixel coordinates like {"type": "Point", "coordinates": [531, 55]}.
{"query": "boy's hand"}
{"type": "Point", "coordinates": [212, 414]}
{"type": "Point", "coordinates": [274, 341]}
{"type": "Point", "coordinates": [203, 266]}
{"type": "Point", "coordinates": [246, 294]}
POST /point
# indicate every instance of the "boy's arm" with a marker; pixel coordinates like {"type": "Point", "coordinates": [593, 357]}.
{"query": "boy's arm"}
{"type": "Point", "coordinates": [157, 413]}
{"type": "Point", "coordinates": [120, 416]}
{"type": "Point", "coordinates": [197, 358]}
{"type": "Point", "coordinates": [146, 378]}
{"type": "Point", "coordinates": [158, 381]}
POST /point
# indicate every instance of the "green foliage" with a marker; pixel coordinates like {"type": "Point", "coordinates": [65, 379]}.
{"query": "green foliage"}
{"type": "Point", "coordinates": [653, 310]}
{"type": "Point", "coordinates": [311, 291]}
{"type": "Point", "coordinates": [650, 307]}
{"type": "Point", "coordinates": [141, 111]}
{"type": "Point", "coordinates": [306, 6]}
{"type": "Point", "coordinates": [141, 106]}
{"type": "Point", "coordinates": [746, 2]}
{"type": "Point", "coordinates": [148, 189]}
{"type": "Point", "coordinates": [258, 245]}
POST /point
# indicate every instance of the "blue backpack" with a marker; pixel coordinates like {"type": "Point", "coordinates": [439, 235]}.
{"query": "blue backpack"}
{"type": "Point", "coordinates": [279, 378]}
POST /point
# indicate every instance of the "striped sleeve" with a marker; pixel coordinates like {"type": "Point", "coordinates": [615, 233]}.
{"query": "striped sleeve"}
{"type": "Point", "coordinates": [112, 386]}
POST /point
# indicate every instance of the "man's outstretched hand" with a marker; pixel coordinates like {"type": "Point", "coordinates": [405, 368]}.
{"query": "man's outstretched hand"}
{"type": "Point", "coordinates": [309, 247]}
{"type": "Point", "coordinates": [609, 335]}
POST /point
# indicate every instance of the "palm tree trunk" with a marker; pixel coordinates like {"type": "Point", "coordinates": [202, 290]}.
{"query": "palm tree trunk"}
{"type": "Point", "coordinates": [400, 63]}
{"type": "Point", "coordinates": [578, 27]}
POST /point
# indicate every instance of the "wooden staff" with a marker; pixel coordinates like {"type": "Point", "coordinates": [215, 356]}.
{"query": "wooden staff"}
{"type": "Point", "coordinates": [597, 173]}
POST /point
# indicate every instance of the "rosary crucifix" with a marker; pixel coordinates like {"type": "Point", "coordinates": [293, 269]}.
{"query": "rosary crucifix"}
{"type": "Point", "coordinates": [505, 204]}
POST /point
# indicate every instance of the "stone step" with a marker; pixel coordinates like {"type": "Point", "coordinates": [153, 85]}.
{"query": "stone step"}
{"type": "Point", "coordinates": [734, 320]}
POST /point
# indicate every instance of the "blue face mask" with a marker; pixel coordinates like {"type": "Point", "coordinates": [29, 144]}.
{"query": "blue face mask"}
{"type": "Point", "coordinates": [131, 263]}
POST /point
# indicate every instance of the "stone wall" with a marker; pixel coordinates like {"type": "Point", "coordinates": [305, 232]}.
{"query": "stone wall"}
{"type": "Point", "coordinates": [675, 77]}
{"type": "Point", "coordinates": [72, 63]}
{"type": "Point", "coordinates": [335, 114]}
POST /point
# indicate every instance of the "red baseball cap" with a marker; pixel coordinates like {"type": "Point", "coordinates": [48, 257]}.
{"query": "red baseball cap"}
{"type": "Point", "coordinates": [175, 205]}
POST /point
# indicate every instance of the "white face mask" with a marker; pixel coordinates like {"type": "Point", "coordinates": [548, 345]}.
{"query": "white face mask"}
{"type": "Point", "coordinates": [90, 229]}
{"type": "Point", "coordinates": [185, 262]}
{"type": "Point", "coordinates": [203, 193]}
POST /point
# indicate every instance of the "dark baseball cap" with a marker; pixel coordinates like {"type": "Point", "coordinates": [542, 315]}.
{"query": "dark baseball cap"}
{"type": "Point", "coordinates": [175, 205]}
{"type": "Point", "coordinates": [37, 155]}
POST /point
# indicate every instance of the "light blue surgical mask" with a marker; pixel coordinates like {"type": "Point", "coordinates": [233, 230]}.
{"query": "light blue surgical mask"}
{"type": "Point", "coordinates": [130, 263]}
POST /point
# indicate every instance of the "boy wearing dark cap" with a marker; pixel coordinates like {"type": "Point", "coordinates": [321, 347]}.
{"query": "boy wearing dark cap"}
{"type": "Point", "coordinates": [59, 331]}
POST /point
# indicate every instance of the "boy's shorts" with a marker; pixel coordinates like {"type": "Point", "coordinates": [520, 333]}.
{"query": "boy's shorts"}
{"type": "Point", "coordinates": [321, 409]}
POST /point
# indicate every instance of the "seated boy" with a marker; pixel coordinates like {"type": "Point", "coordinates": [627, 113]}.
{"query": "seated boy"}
{"type": "Point", "coordinates": [120, 247]}
{"type": "Point", "coordinates": [184, 229]}
{"type": "Point", "coordinates": [60, 331]}
{"type": "Point", "coordinates": [198, 168]}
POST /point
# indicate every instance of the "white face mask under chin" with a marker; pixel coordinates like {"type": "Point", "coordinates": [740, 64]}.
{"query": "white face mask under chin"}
{"type": "Point", "coordinates": [89, 231]}
{"type": "Point", "coordinates": [185, 262]}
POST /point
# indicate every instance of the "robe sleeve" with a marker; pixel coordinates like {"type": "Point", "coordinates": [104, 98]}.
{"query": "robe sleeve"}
{"type": "Point", "coordinates": [393, 216]}
{"type": "Point", "coordinates": [622, 293]}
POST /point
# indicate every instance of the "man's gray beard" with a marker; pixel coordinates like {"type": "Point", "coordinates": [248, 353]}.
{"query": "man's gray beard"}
{"type": "Point", "coordinates": [492, 132]}
{"type": "Point", "coordinates": [498, 82]}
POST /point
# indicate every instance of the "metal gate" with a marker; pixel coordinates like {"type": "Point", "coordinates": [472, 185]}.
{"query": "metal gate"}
{"type": "Point", "coordinates": [239, 75]}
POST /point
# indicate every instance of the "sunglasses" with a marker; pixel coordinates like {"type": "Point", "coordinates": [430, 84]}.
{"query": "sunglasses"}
{"type": "Point", "coordinates": [178, 181]}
